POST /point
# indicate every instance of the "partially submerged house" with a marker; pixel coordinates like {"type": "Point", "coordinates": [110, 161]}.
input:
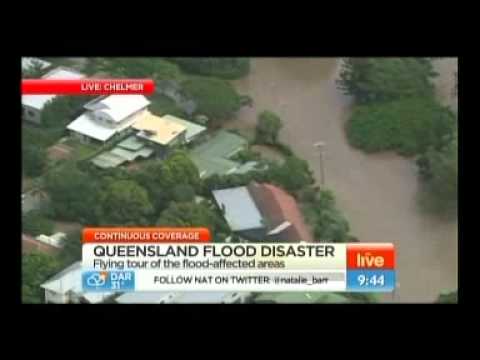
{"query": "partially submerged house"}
{"type": "Point", "coordinates": [108, 117]}
{"type": "Point", "coordinates": [33, 104]}
{"type": "Point", "coordinates": [213, 156]}
{"type": "Point", "coordinates": [262, 212]}
{"type": "Point", "coordinates": [66, 287]}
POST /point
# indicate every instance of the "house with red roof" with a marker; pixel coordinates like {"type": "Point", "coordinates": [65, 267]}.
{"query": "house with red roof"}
{"type": "Point", "coordinates": [263, 212]}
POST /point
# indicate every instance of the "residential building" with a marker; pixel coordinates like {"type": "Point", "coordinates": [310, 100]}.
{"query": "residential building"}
{"type": "Point", "coordinates": [108, 117]}
{"type": "Point", "coordinates": [34, 104]}
{"type": "Point", "coordinates": [66, 287]}
{"type": "Point", "coordinates": [30, 244]}
{"type": "Point", "coordinates": [213, 156]}
{"type": "Point", "coordinates": [262, 212]}
{"type": "Point", "coordinates": [162, 133]}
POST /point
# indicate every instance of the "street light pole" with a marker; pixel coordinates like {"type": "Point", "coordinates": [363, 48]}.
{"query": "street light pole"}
{"type": "Point", "coordinates": [320, 145]}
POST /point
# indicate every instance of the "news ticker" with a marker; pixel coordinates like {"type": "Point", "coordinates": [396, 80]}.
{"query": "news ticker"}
{"type": "Point", "coordinates": [87, 86]}
{"type": "Point", "coordinates": [181, 259]}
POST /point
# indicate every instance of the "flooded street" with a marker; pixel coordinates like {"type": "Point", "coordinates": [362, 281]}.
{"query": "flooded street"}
{"type": "Point", "coordinates": [378, 193]}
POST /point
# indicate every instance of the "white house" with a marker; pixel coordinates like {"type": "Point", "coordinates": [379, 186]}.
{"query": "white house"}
{"type": "Point", "coordinates": [187, 297]}
{"type": "Point", "coordinates": [66, 287]}
{"type": "Point", "coordinates": [108, 116]}
{"type": "Point", "coordinates": [34, 104]}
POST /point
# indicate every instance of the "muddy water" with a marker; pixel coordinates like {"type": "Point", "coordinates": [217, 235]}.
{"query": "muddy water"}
{"type": "Point", "coordinates": [376, 192]}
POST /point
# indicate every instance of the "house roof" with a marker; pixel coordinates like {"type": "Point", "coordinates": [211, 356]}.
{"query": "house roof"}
{"type": "Point", "coordinates": [30, 244]}
{"type": "Point", "coordinates": [192, 128]}
{"type": "Point", "coordinates": [212, 165]}
{"type": "Point", "coordinates": [86, 125]}
{"type": "Point", "coordinates": [163, 130]}
{"type": "Point", "coordinates": [27, 63]}
{"type": "Point", "coordinates": [241, 213]}
{"type": "Point", "coordinates": [70, 279]}
{"type": "Point", "coordinates": [277, 206]}
{"type": "Point", "coordinates": [39, 101]}
{"type": "Point", "coordinates": [118, 107]}
{"type": "Point", "coordinates": [223, 144]}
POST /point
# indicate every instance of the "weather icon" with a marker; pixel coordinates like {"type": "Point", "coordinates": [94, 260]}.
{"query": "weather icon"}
{"type": "Point", "coordinates": [97, 279]}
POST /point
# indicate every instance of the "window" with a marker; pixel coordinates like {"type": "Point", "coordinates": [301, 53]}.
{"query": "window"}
{"type": "Point", "coordinates": [30, 113]}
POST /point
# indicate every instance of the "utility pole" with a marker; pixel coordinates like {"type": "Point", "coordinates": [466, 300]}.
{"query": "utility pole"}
{"type": "Point", "coordinates": [320, 145]}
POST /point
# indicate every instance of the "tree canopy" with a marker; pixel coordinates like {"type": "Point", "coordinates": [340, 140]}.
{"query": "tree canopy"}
{"type": "Point", "coordinates": [124, 202]}
{"type": "Point", "coordinates": [138, 67]}
{"type": "Point", "coordinates": [61, 110]}
{"type": "Point", "coordinates": [408, 126]}
{"type": "Point", "coordinates": [215, 98]}
{"type": "Point", "coordinates": [384, 79]}
{"type": "Point", "coordinates": [73, 194]}
{"type": "Point", "coordinates": [193, 214]}
{"type": "Point", "coordinates": [228, 68]}
{"type": "Point", "coordinates": [34, 223]}
{"type": "Point", "coordinates": [439, 170]}
{"type": "Point", "coordinates": [293, 175]}
{"type": "Point", "coordinates": [34, 160]}
{"type": "Point", "coordinates": [268, 128]}
{"type": "Point", "coordinates": [36, 269]}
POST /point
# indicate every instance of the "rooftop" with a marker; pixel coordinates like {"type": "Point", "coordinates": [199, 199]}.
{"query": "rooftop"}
{"type": "Point", "coordinates": [158, 129]}
{"type": "Point", "coordinates": [241, 213]}
{"type": "Point", "coordinates": [277, 206]}
{"type": "Point", "coordinates": [193, 129]}
{"type": "Point", "coordinates": [118, 107]}
{"type": "Point", "coordinates": [39, 101]}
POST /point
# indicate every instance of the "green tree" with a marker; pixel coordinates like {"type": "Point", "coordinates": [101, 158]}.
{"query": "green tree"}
{"type": "Point", "coordinates": [35, 71]}
{"type": "Point", "coordinates": [34, 223]}
{"type": "Point", "coordinates": [268, 128]}
{"type": "Point", "coordinates": [215, 98]}
{"type": "Point", "coordinates": [439, 170]}
{"type": "Point", "coordinates": [159, 178]}
{"type": "Point", "coordinates": [329, 224]}
{"type": "Point", "coordinates": [193, 214]}
{"type": "Point", "coordinates": [139, 67]}
{"type": "Point", "coordinates": [383, 79]}
{"type": "Point", "coordinates": [178, 168]}
{"type": "Point", "coordinates": [34, 160]}
{"type": "Point", "coordinates": [408, 126]}
{"type": "Point", "coordinates": [72, 249]}
{"type": "Point", "coordinates": [73, 194]}
{"type": "Point", "coordinates": [293, 175]}
{"type": "Point", "coordinates": [60, 111]}
{"type": "Point", "coordinates": [36, 269]}
{"type": "Point", "coordinates": [124, 202]}
{"type": "Point", "coordinates": [228, 68]}
{"type": "Point", "coordinates": [183, 193]}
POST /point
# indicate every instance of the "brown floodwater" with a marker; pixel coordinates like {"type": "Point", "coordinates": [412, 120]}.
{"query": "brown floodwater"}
{"type": "Point", "coordinates": [377, 193]}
